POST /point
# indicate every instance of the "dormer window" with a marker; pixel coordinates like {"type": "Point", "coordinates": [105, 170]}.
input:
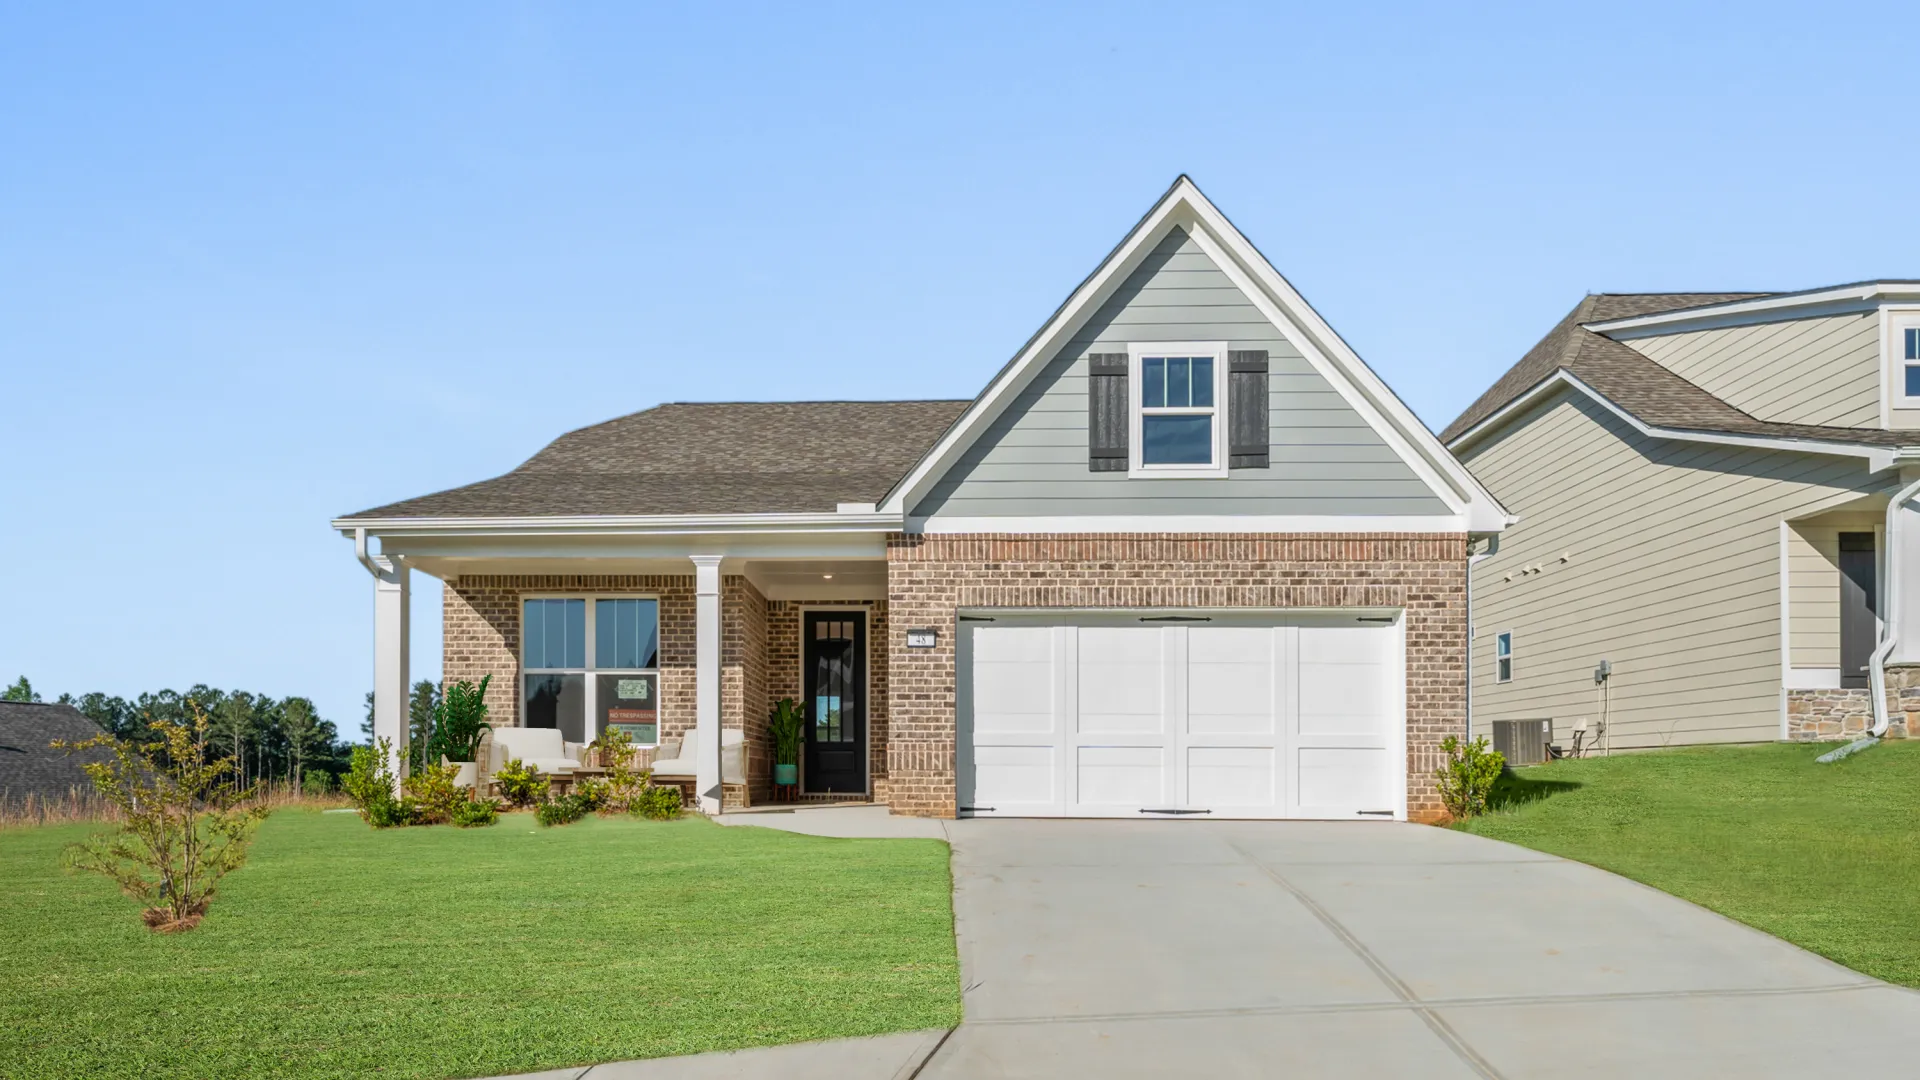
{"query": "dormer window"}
{"type": "Point", "coordinates": [1910, 349]}
{"type": "Point", "coordinates": [1903, 355]}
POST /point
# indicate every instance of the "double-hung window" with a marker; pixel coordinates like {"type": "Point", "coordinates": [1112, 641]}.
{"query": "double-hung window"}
{"type": "Point", "coordinates": [1906, 346]}
{"type": "Point", "coordinates": [591, 663]}
{"type": "Point", "coordinates": [1179, 409]}
{"type": "Point", "coordinates": [1503, 656]}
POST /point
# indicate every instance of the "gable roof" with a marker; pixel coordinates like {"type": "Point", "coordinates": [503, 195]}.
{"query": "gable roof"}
{"type": "Point", "coordinates": [1638, 384]}
{"type": "Point", "coordinates": [28, 764]}
{"type": "Point", "coordinates": [705, 458]}
{"type": "Point", "coordinates": [1183, 206]}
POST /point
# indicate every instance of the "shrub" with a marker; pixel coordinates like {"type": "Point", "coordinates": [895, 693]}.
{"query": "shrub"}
{"type": "Point", "coordinates": [369, 783]}
{"type": "Point", "coordinates": [624, 782]}
{"type": "Point", "coordinates": [785, 727]}
{"type": "Point", "coordinates": [1467, 778]}
{"type": "Point", "coordinates": [459, 721]}
{"type": "Point", "coordinates": [474, 813]}
{"type": "Point", "coordinates": [316, 782]}
{"type": "Point", "coordinates": [592, 793]}
{"type": "Point", "coordinates": [520, 785]}
{"type": "Point", "coordinates": [185, 826]}
{"type": "Point", "coordinates": [564, 810]}
{"type": "Point", "coordinates": [658, 803]}
{"type": "Point", "coordinates": [431, 795]}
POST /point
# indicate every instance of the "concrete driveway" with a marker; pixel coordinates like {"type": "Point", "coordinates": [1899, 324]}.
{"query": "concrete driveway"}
{"type": "Point", "coordinates": [1298, 949]}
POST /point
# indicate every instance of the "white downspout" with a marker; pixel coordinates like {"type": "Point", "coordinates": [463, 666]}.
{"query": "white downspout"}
{"type": "Point", "coordinates": [1890, 624]}
{"type": "Point", "coordinates": [1493, 545]}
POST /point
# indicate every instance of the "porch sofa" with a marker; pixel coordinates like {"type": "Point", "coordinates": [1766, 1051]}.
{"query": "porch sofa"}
{"type": "Point", "coordinates": [675, 759]}
{"type": "Point", "coordinates": [542, 748]}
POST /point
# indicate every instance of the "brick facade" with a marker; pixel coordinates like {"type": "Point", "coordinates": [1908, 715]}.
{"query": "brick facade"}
{"type": "Point", "coordinates": [1817, 715]}
{"type": "Point", "coordinates": [930, 577]}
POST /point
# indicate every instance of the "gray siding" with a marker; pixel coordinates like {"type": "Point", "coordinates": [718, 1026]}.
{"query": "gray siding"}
{"type": "Point", "coordinates": [1032, 461]}
{"type": "Point", "coordinates": [1672, 572]}
{"type": "Point", "coordinates": [1805, 371]}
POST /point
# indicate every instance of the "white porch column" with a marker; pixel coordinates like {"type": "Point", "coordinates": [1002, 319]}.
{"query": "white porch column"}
{"type": "Point", "coordinates": [1906, 551]}
{"type": "Point", "coordinates": [390, 633]}
{"type": "Point", "coordinates": [706, 620]}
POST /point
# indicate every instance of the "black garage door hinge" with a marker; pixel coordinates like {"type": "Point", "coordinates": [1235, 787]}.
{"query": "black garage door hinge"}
{"type": "Point", "coordinates": [977, 810]}
{"type": "Point", "coordinates": [1145, 811]}
{"type": "Point", "coordinates": [1374, 813]}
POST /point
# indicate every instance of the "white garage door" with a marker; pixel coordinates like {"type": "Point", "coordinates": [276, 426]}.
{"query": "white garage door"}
{"type": "Point", "coordinates": [1157, 715]}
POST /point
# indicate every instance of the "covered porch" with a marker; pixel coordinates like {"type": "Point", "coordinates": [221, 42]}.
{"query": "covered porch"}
{"type": "Point", "coordinates": [685, 641]}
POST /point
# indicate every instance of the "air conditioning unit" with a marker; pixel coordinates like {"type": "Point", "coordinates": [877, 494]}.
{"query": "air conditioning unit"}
{"type": "Point", "coordinates": [1522, 742]}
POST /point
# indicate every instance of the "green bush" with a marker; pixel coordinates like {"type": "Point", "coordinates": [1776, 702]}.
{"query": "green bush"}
{"type": "Point", "coordinates": [520, 785]}
{"type": "Point", "coordinates": [564, 810]}
{"type": "Point", "coordinates": [1467, 778]}
{"type": "Point", "coordinates": [624, 782]}
{"type": "Point", "coordinates": [316, 782]}
{"type": "Point", "coordinates": [369, 783]}
{"type": "Point", "coordinates": [459, 721]}
{"type": "Point", "coordinates": [593, 793]}
{"type": "Point", "coordinates": [430, 795]}
{"type": "Point", "coordinates": [658, 803]}
{"type": "Point", "coordinates": [475, 813]}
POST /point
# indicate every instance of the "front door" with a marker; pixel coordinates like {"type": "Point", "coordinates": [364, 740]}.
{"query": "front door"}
{"type": "Point", "coordinates": [834, 656]}
{"type": "Point", "coordinates": [1859, 592]}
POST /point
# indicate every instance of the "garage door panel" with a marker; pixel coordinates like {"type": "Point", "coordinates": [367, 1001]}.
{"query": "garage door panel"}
{"type": "Point", "coordinates": [1122, 775]}
{"type": "Point", "coordinates": [1340, 644]}
{"type": "Point", "coordinates": [1008, 776]}
{"type": "Point", "coordinates": [1230, 699]}
{"type": "Point", "coordinates": [1343, 777]}
{"type": "Point", "coordinates": [1233, 777]}
{"type": "Point", "coordinates": [1013, 697]}
{"type": "Point", "coordinates": [1343, 699]}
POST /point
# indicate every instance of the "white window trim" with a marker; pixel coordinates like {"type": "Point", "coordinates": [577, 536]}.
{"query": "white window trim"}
{"type": "Point", "coordinates": [591, 685]}
{"type": "Point", "coordinates": [1498, 675]}
{"type": "Point", "coordinates": [1139, 351]}
{"type": "Point", "coordinates": [1895, 320]}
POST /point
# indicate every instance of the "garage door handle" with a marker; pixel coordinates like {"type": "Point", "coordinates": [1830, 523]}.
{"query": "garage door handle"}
{"type": "Point", "coordinates": [1176, 811]}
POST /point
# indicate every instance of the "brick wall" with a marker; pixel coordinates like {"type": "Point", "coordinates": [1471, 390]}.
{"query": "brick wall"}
{"type": "Point", "coordinates": [931, 576]}
{"type": "Point", "coordinates": [743, 683]}
{"type": "Point", "coordinates": [785, 678]}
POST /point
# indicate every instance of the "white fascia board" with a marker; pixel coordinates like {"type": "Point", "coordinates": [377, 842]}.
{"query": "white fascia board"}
{"type": "Point", "coordinates": [1276, 299]}
{"type": "Point", "coordinates": [1830, 301]}
{"type": "Point", "coordinates": [1877, 458]}
{"type": "Point", "coordinates": [627, 525]}
{"type": "Point", "coordinates": [1224, 523]}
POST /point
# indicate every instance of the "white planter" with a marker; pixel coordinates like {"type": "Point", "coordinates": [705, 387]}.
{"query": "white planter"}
{"type": "Point", "coordinates": [467, 774]}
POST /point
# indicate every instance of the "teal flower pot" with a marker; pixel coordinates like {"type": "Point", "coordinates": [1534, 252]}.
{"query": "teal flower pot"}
{"type": "Point", "coordinates": [786, 774]}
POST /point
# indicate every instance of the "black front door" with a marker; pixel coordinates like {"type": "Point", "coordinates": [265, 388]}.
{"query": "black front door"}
{"type": "Point", "coordinates": [834, 655]}
{"type": "Point", "coordinates": [1859, 591]}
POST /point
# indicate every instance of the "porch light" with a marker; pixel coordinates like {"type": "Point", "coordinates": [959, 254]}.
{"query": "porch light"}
{"type": "Point", "coordinates": [826, 577]}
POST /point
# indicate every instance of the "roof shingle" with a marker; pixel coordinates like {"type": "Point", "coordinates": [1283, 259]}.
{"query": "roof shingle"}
{"type": "Point", "coordinates": [706, 458]}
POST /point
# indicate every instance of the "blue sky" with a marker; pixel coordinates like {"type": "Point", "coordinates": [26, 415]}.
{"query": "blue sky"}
{"type": "Point", "coordinates": [261, 265]}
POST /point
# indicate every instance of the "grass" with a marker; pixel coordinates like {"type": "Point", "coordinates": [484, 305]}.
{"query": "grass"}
{"type": "Point", "coordinates": [339, 951]}
{"type": "Point", "coordinates": [1825, 856]}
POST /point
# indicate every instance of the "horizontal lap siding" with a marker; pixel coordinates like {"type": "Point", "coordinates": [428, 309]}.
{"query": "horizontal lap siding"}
{"type": "Point", "coordinates": [1672, 574]}
{"type": "Point", "coordinates": [1326, 459]}
{"type": "Point", "coordinates": [1805, 371]}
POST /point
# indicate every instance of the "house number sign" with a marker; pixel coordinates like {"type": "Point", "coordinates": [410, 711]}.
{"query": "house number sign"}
{"type": "Point", "coordinates": [922, 639]}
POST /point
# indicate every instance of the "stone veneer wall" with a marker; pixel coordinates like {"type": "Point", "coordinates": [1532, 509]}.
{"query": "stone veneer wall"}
{"type": "Point", "coordinates": [786, 679]}
{"type": "Point", "coordinates": [929, 576]}
{"type": "Point", "coordinates": [1815, 715]}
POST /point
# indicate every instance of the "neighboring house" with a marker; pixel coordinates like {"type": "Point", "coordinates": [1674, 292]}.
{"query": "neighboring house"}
{"type": "Point", "coordinates": [29, 765]}
{"type": "Point", "coordinates": [1184, 553]}
{"type": "Point", "coordinates": [1702, 483]}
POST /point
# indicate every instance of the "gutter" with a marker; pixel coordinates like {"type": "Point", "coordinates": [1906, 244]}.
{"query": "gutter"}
{"type": "Point", "coordinates": [1890, 626]}
{"type": "Point", "coordinates": [1493, 546]}
{"type": "Point", "coordinates": [628, 524]}
{"type": "Point", "coordinates": [360, 552]}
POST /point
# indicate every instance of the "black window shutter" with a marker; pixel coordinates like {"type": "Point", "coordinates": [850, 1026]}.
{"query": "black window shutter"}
{"type": "Point", "coordinates": [1247, 409]}
{"type": "Point", "coordinates": [1107, 424]}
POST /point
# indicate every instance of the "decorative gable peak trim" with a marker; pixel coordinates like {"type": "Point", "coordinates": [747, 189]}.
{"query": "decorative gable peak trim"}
{"type": "Point", "coordinates": [1185, 207]}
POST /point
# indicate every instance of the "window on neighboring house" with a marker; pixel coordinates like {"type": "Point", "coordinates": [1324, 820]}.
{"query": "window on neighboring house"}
{"type": "Point", "coordinates": [1503, 656]}
{"type": "Point", "coordinates": [1910, 353]}
{"type": "Point", "coordinates": [1179, 394]}
{"type": "Point", "coordinates": [588, 664]}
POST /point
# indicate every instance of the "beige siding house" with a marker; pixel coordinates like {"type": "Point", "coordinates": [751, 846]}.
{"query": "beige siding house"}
{"type": "Point", "coordinates": [1703, 552]}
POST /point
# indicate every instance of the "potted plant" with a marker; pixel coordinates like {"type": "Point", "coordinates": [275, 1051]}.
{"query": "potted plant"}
{"type": "Point", "coordinates": [458, 724]}
{"type": "Point", "coordinates": [784, 728]}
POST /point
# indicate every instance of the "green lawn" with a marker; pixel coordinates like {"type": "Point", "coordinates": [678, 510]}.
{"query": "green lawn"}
{"type": "Point", "coordinates": [339, 951]}
{"type": "Point", "coordinates": [1825, 856]}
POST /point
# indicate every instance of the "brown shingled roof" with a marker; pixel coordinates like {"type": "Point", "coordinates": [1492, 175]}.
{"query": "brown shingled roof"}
{"type": "Point", "coordinates": [707, 458]}
{"type": "Point", "coordinates": [1639, 384]}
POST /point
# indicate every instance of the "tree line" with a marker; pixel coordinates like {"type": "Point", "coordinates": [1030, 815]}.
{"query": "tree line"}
{"type": "Point", "coordinates": [269, 738]}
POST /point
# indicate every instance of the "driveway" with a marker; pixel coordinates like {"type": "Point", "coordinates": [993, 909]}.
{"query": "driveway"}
{"type": "Point", "coordinates": [1300, 949]}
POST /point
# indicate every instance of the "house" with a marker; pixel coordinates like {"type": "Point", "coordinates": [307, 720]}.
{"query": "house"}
{"type": "Point", "coordinates": [1184, 553]}
{"type": "Point", "coordinates": [29, 765]}
{"type": "Point", "coordinates": [1704, 551]}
